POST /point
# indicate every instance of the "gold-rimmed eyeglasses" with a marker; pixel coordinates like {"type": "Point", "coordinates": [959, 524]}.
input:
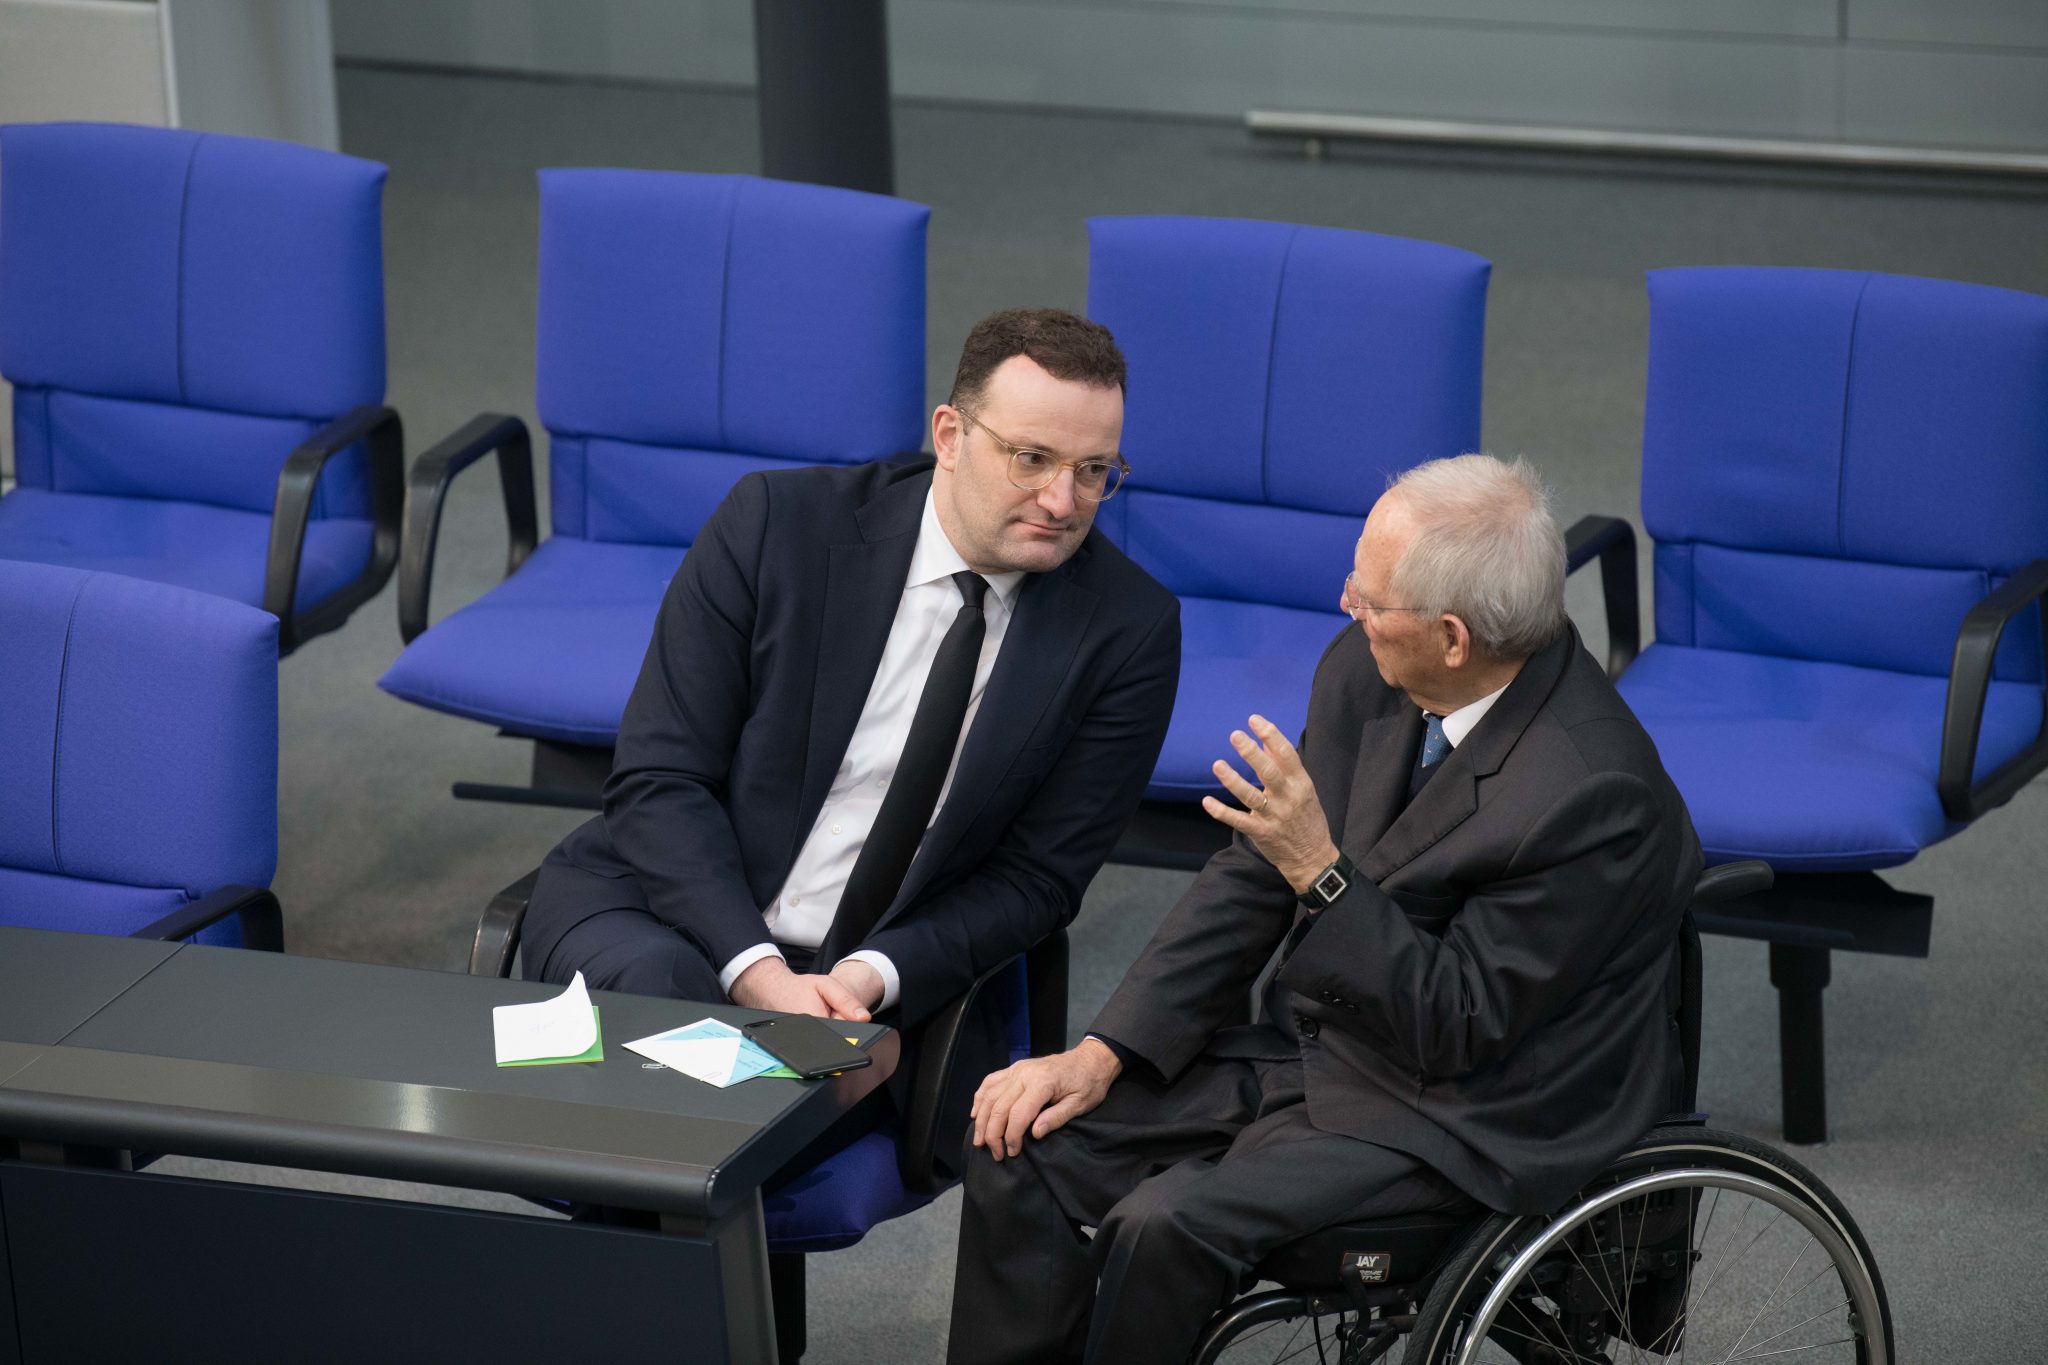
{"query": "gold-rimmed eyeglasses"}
{"type": "Point", "coordinates": [1095, 479]}
{"type": "Point", "coordinates": [1354, 605]}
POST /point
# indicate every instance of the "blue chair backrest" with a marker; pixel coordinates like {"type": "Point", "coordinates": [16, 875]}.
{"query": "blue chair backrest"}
{"type": "Point", "coordinates": [138, 743]}
{"type": "Point", "coordinates": [1837, 465]}
{"type": "Point", "coordinates": [179, 310]}
{"type": "Point", "coordinates": [1278, 376]}
{"type": "Point", "coordinates": [694, 328]}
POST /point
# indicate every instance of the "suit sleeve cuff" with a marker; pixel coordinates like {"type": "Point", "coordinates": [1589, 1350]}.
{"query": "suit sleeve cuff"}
{"type": "Point", "coordinates": [730, 972]}
{"type": "Point", "coordinates": [1129, 1059]}
{"type": "Point", "coordinates": [892, 984]}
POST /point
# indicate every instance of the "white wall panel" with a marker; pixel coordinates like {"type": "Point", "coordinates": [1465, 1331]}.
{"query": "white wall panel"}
{"type": "Point", "coordinates": [82, 59]}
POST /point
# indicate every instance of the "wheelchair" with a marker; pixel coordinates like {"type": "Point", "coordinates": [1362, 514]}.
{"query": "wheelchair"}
{"type": "Point", "coordinates": [1694, 1245]}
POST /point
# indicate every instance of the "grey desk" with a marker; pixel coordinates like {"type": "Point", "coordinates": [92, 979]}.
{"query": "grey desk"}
{"type": "Point", "coordinates": [110, 1046]}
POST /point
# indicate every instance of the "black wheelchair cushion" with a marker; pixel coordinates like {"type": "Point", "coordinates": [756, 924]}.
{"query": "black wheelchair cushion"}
{"type": "Point", "coordinates": [1411, 1243]}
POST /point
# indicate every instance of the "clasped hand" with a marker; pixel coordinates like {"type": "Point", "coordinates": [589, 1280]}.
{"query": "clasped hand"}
{"type": "Point", "coordinates": [1282, 816]}
{"type": "Point", "coordinates": [850, 991]}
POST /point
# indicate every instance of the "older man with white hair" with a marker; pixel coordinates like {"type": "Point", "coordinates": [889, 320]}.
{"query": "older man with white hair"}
{"type": "Point", "coordinates": [1472, 869]}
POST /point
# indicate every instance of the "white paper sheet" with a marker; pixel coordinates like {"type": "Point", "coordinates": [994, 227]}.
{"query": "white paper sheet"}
{"type": "Point", "coordinates": [560, 1027]}
{"type": "Point", "coordinates": [714, 1052]}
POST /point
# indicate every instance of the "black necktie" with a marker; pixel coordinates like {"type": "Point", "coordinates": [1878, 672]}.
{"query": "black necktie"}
{"type": "Point", "coordinates": [921, 771]}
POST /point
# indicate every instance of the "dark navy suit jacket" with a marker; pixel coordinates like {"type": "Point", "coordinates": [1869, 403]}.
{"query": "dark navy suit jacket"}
{"type": "Point", "coordinates": [762, 657]}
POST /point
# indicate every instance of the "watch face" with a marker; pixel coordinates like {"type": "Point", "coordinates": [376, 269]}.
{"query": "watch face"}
{"type": "Point", "coordinates": [1330, 885]}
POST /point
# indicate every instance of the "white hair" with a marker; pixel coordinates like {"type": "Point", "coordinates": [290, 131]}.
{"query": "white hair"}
{"type": "Point", "coordinates": [1485, 550]}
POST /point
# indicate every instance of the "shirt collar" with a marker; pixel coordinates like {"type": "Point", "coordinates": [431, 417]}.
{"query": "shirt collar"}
{"type": "Point", "coordinates": [1460, 722]}
{"type": "Point", "coordinates": [935, 559]}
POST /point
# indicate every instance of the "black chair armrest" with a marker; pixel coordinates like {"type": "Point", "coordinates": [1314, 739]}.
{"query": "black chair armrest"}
{"type": "Point", "coordinates": [497, 931]}
{"type": "Point", "coordinates": [384, 438]}
{"type": "Point", "coordinates": [1613, 542]}
{"type": "Point", "coordinates": [1969, 679]}
{"type": "Point", "coordinates": [262, 919]}
{"type": "Point", "coordinates": [924, 1167]}
{"type": "Point", "coordinates": [1731, 881]}
{"type": "Point", "coordinates": [1045, 968]}
{"type": "Point", "coordinates": [428, 487]}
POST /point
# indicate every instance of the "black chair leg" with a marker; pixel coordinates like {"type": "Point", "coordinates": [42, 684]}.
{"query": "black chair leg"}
{"type": "Point", "coordinates": [786, 1282]}
{"type": "Point", "coordinates": [1801, 973]}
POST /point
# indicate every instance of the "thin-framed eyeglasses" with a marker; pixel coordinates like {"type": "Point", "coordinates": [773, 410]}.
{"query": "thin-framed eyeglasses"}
{"type": "Point", "coordinates": [1355, 606]}
{"type": "Point", "coordinates": [1095, 478]}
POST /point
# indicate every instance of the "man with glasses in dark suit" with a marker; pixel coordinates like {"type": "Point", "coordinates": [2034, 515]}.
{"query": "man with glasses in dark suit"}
{"type": "Point", "coordinates": [1472, 872]}
{"type": "Point", "coordinates": [892, 718]}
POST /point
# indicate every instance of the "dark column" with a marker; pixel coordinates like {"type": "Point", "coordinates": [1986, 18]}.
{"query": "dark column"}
{"type": "Point", "coordinates": [824, 90]}
{"type": "Point", "coordinates": [1801, 972]}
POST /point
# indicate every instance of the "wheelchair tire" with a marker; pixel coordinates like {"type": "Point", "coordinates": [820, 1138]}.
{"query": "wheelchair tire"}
{"type": "Point", "coordinates": [1635, 1269]}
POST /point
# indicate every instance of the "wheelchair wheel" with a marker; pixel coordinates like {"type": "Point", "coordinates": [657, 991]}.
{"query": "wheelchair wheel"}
{"type": "Point", "coordinates": [1695, 1245]}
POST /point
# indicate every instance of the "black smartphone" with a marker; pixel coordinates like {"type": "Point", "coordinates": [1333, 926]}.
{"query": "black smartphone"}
{"type": "Point", "coordinates": [809, 1046]}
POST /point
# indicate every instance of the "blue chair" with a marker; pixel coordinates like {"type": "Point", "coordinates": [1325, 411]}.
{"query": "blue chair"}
{"type": "Point", "coordinates": [891, 1170]}
{"type": "Point", "coordinates": [1279, 376]}
{"type": "Point", "coordinates": [692, 328]}
{"type": "Point", "coordinates": [139, 740]}
{"type": "Point", "coordinates": [194, 328]}
{"type": "Point", "coordinates": [1846, 479]}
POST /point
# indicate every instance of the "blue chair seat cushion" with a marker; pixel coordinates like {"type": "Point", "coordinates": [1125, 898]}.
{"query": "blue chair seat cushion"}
{"type": "Point", "coordinates": [42, 900]}
{"type": "Point", "coordinates": [1236, 658]}
{"type": "Point", "coordinates": [1811, 766]}
{"type": "Point", "coordinates": [550, 653]}
{"type": "Point", "coordinates": [835, 1202]}
{"type": "Point", "coordinates": [222, 551]}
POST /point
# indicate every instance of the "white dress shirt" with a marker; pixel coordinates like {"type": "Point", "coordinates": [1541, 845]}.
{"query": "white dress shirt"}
{"type": "Point", "coordinates": [1459, 723]}
{"type": "Point", "coordinates": [802, 911]}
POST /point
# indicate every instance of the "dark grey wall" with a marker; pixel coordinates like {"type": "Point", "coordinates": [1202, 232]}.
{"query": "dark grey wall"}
{"type": "Point", "coordinates": [1935, 72]}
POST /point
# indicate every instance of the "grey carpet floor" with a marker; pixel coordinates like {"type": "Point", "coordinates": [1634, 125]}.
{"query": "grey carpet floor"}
{"type": "Point", "coordinates": [1939, 1090]}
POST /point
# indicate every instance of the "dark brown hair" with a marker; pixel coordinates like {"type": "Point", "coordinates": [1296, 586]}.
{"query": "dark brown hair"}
{"type": "Point", "coordinates": [1064, 345]}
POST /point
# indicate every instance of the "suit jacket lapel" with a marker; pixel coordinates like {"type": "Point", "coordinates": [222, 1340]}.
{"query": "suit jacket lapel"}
{"type": "Point", "coordinates": [862, 589]}
{"type": "Point", "coordinates": [1379, 780]}
{"type": "Point", "coordinates": [1452, 795]}
{"type": "Point", "coordinates": [1046, 629]}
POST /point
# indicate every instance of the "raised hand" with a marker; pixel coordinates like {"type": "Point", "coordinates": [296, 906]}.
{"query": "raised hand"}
{"type": "Point", "coordinates": [1282, 815]}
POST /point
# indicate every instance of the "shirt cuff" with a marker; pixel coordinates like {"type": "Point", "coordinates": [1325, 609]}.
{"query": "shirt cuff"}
{"type": "Point", "coordinates": [731, 971]}
{"type": "Point", "coordinates": [892, 984]}
{"type": "Point", "coordinates": [1123, 1054]}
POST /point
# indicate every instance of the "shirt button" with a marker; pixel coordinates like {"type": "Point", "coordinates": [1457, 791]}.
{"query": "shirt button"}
{"type": "Point", "coordinates": [835, 829]}
{"type": "Point", "coordinates": [795, 901]}
{"type": "Point", "coordinates": [881, 782]}
{"type": "Point", "coordinates": [1308, 1026]}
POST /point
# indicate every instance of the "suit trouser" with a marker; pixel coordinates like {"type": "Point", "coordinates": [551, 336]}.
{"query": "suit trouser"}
{"type": "Point", "coordinates": [1188, 1186]}
{"type": "Point", "coordinates": [630, 950]}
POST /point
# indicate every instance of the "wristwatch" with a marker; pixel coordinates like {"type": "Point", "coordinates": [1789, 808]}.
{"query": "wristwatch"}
{"type": "Point", "coordinates": [1332, 882]}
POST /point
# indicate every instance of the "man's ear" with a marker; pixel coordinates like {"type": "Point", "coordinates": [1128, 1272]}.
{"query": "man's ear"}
{"type": "Point", "coordinates": [946, 431]}
{"type": "Point", "coordinates": [1456, 640]}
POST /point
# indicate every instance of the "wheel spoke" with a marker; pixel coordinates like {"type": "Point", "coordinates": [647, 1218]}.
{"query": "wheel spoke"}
{"type": "Point", "coordinates": [1753, 1354]}
{"type": "Point", "coordinates": [1598, 1285]}
{"type": "Point", "coordinates": [1692, 1241]}
{"type": "Point", "coordinates": [1817, 1346]}
{"type": "Point", "coordinates": [1765, 1306]}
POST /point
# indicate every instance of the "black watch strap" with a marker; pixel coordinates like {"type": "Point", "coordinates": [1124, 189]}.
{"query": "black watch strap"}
{"type": "Point", "coordinates": [1332, 882]}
